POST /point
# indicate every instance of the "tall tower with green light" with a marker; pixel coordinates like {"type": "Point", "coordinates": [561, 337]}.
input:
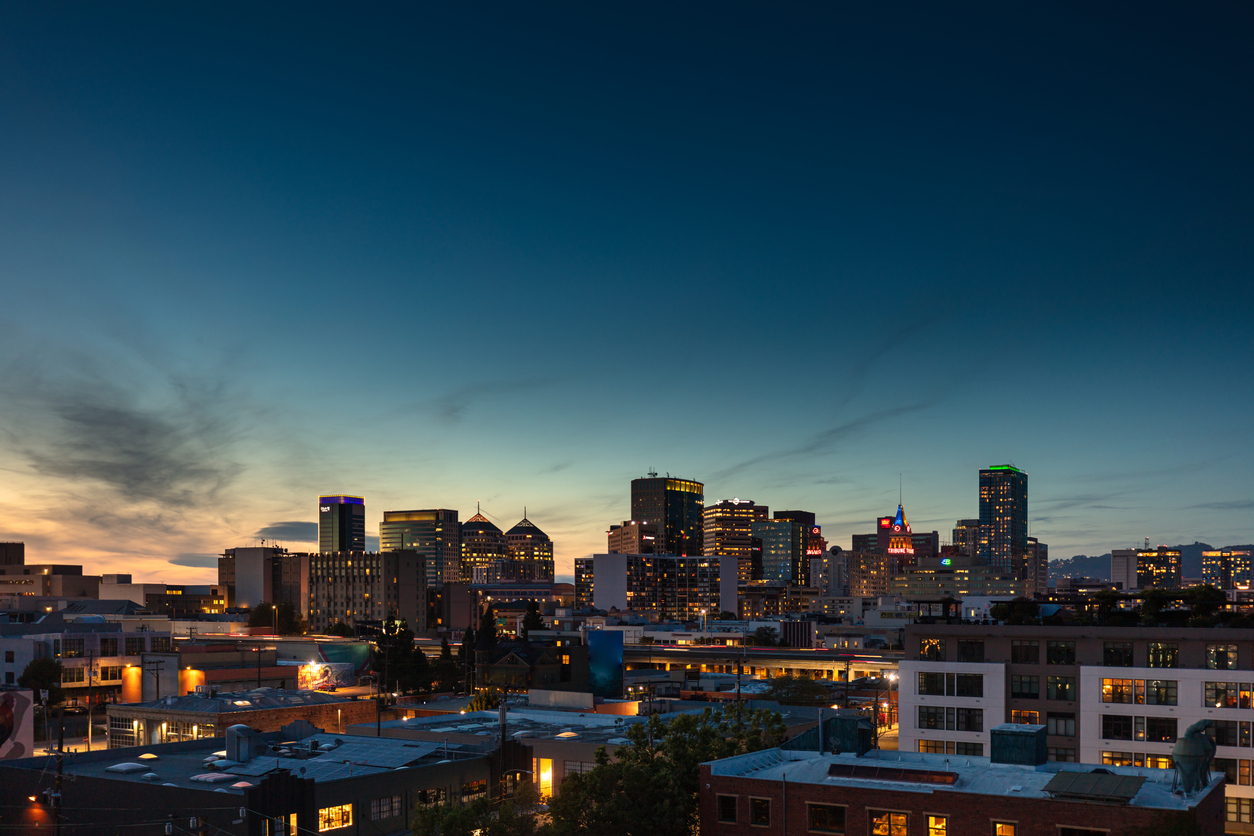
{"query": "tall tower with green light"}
{"type": "Point", "coordinates": [1003, 516]}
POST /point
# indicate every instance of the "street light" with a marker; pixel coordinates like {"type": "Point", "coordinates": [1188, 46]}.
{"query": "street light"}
{"type": "Point", "coordinates": [889, 678]}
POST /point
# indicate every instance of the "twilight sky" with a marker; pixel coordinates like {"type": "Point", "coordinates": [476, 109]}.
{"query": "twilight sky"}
{"type": "Point", "coordinates": [520, 253]}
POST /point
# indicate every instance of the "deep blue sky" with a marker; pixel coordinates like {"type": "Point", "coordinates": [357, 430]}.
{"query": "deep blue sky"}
{"type": "Point", "coordinates": [520, 253]}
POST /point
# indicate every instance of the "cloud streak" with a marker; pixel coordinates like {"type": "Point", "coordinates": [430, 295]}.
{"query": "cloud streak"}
{"type": "Point", "coordinates": [294, 530]}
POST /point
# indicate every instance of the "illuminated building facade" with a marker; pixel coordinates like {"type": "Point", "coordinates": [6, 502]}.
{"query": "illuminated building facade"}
{"type": "Point", "coordinates": [1158, 568]}
{"type": "Point", "coordinates": [728, 532]}
{"type": "Point", "coordinates": [955, 577]}
{"type": "Point", "coordinates": [434, 533]}
{"type": "Point", "coordinates": [482, 544]}
{"type": "Point", "coordinates": [870, 573]}
{"type": "Point", "coordinates": [1003, 515]}
{"type": "Point", "coordinates": [674, 504]}
{"type": "Point", "coordinates": [341, 523]}
{"type": "Point", "coordinates": [1226, 568]}
{"type": "Point", "coordinates": [348, 587]}
{"type": "Point", "coordinates": [667, 585]}
{"type": "Point", "coordinates": [893, 535]}
{"type": "Point", "coordinates": [530, 553]}
{"type": "Point", "coordinates": [583, 582]}
{"type": "Point", "coordinates": [966, 537]}
{"type": "Point", "coordinates": [783, 550]}
{"type": "Point", "coordinates": [634, 537]}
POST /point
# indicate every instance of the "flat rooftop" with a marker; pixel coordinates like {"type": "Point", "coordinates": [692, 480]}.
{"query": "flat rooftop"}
{"type": "Point", "coordinates": [225, 702]}
{"type": "Point", "coordinates": [925, 773]}
{"type": "Point", "coordinates": [519, 723]}
{"type": "Point", "coordinates": [202, 764]}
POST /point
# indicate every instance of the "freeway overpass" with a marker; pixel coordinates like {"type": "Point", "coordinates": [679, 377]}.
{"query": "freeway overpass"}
{"type": "Point", "coordinates": [762, 661]}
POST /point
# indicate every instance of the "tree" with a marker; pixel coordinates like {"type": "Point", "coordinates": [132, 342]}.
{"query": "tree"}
{"type": "Point", "coordinates": [766, 637]}
{"type": "Point", "coordinates": [342, 630]}
{"type": "Point", "coordinates": [446, 652]}
{"type": "Point", "coordinates": [532, 619]}
{"type": "Point", "coordinates": [651, 785]}
{"type": "Point", "coordinates": [487, 627]}
{"type": "Point", "coordinates": [512, 817]}
{"type": "Point", "coordinates": [403, 666]}
{"type": "Point", "coordinates": [290, 621]}
{"type": "Point", "coordinates": [797, 690]}
{"type": "Point", "coordinates": [1018, 611]}
{"type": "Point", "coordinates": [43, 675]}
{"type": "Point", "coordinates": [485, 701]}
{"type": "Point", "coordinates": [727, 616]}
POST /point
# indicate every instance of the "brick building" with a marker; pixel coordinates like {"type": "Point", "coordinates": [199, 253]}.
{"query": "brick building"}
{"type": "Point", "coordinates": [887, 793]}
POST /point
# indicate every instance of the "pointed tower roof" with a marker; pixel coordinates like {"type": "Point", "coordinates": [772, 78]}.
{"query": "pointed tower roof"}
{"type": "Point", "coordinates": [525, 528]}
{"type": "Point", "coordinates": [899, 521]}
{"type": "Point", "coordinates": [480, 524]}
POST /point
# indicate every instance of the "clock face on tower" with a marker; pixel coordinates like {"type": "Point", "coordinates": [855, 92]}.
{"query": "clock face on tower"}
{"type": "Point", "coordinates": [896, 528]}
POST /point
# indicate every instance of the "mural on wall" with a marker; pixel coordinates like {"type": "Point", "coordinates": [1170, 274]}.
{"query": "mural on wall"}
{"type": "Point", "coordinates": [17, 724]}
{"type": "Point", "coordinates": [318, 676]}
{"type": "Point", "coordinates": [605, 663]}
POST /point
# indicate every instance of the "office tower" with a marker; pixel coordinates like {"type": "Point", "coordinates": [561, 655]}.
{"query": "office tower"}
{"type": "Point", "coordinates": [341, 524]}
{"type": "Point", "coordinates": [867, 542]}
{"type": "Point", "coordinates": [1158, 568]}
{"type": "Point", "coordinates": [967, 537]}
{"type": "Point", "coordinates": [265, 575]}
{"type": "Point", "coordinates": [675, 505]}
{"type": "Point", "coordinates": [870, 573]}
{"type": "Point", "coordinates": [634, 537]}
{"type": "Point", "coordinates": [583, 582]}
{"type": "Point", "coordinates": [352, 587]}
{"type": "Point", "coordinates": [530, 552]}
{"type": "Point", "coordinates": [727, 531]}
{"type": "Point", "coordinates": [1003, 515]}
{"type": "Point", "coordinates": [432, 533]}
{"type": "Point", "coordinates": [783, 550]}
{"type": "Point", "coordinates": [12, 554]}
{"type": "Point", "coordinates": [1123, 569]}
{"type": "Point", "coordinates": [1226, 568]}
{"type": "Point", "coordinates": [483, 544]}
{"type": "Point", "coordinates": [666, 585]}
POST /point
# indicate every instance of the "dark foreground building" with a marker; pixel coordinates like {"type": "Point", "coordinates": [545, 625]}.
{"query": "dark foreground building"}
{"type": "Point", "coordinates": [888, 793]}
{"type": "Point", "coordinates": [294, 781]}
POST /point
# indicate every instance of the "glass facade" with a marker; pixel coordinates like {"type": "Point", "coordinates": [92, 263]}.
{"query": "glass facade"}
{"type": "Point", "coordinates": [1003, 515]}
{"type": "Point", "coordinates": [678, 505]}
{"type": "Point", "coordinates": [341, 524]}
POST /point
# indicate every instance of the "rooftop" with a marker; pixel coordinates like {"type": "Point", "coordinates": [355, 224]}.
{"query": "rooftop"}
{"type": "Point", "coordinates": [918, 772]}
{"type": "Point", "coordinates": [226, 702]}
{"type": "Point", "coordinates": [520, 723]}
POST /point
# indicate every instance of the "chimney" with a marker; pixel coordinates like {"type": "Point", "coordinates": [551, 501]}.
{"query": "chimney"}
{"type": "Point", "coordinates": [1018, 743]}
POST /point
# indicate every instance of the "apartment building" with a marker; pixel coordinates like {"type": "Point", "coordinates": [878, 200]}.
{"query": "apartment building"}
{"type": "Point", "coordinates": [1117, 696]}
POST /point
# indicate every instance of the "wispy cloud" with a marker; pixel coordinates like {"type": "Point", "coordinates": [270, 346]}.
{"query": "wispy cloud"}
{"type": "Point", "coordinates": [1232, 505]}
{"type": "Point", "coordinates": [294, 530]}
{"type": "Point", "coordinates": [196, 561]}
{"type": "Point", "coordinates": [452, 407]}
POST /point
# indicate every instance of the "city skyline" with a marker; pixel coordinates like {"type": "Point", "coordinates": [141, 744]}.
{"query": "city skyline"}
{"type": "Point", "coordinates": [435, 257]}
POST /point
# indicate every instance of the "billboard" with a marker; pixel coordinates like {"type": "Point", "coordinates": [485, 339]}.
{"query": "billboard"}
{"type": "Point", "coordinates": [17, 724]}
{"type": "Point", "coordinates": [321, 675]}
{"type": "Point", "coordinates": [605, 663]}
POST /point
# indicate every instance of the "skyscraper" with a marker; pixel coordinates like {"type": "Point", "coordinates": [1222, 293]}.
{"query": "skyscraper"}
{"type": "Point", "coordinates": [530, 552]}
{"type": "Point", "coordinates": [675, 505]}
{"type": "Point", "coordinates": [341, 524]}
{"type": "Point", "coordinates": [727, 531]}
{"type": "Point", "coordinates": [482, 545]}
{"type": "Point", "coordinates": [433, 533]}
{"type": "Point", "coordinates": [1003, 516]}
{"type": "Point", "coordinates": [783, 549]}
{"type": "Point", "coordinates": [634, 537]}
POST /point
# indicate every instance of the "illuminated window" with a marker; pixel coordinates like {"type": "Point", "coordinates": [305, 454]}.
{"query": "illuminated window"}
{"type": "Point", "coordinates": [884, 823]}
{"type": "Point", "coordinates": [542, 769]}
{"type": "Point", "coordinates": [330, 818]}
{"type": "Point", "coordinates": [1117, 690]}
{"type": "Point", "coordinates": [1028, 718]}
{"type": "Point", "coordinates": [937, 826]}
{"type": "Point", "coordinates": [1003, 828]}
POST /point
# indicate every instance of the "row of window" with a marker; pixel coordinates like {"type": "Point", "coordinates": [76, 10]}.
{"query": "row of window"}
{"type": "Point", "coordinates": [832, 818]}
{"type": "Point", "coordinates": [1063, 652]}
{"type": "Point", "coordinates": [950, 718]}
{"type": "Point", "coordinates": [107, 673]}
{"type": "Point", "coordinates": [1140, 691]}
{"type": "Point", "coordinates": [951, 685]}
{"type": "Point", "coordinates": [75, 648]}
{"type": "Point", "coordinates": [1149, 729]}
{"type": "Point", "coordinates": [1137, 759]}
{"type": "Point", "coordinates": [951, 747]}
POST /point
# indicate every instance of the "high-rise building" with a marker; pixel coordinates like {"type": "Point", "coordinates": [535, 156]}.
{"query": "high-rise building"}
{"type": "Point", "coordinates": [583, 582]}
{"type": "Point", "coordinates": [967, 537]}
{"type": "Point", "coordinates": [728, 532]}
{"type": "Point", "coordinates": [12, 554]}
{"type": "Point", "coordinates": [1227, 568]}
{"type": "Point", "coordinates": [433, 533]}
{"type": "Point", "coordinates": [341, 524]}
{"type": "Point", "coordinates": [482, 545]}
{"type": "Point", "coordinates": [675, 505]}
{"type": "Point", "coordinates": [1003, 516]}
{"type": "Point", "coordinates": [815, 545]}
{"type": "Point", "coordinates": [1035, 570]}
{"type": "Point", "coordinates": [351, 587]}
{"type": "Point", "coordinates": [264, 575]}
{"type": "Point", "coordinates": [668, 585]}
{"type": "Point", "coordinates": [530, 552]}
{"type": "Point", "coordinates": [634, 537]}
{"type": "Point", "coordinates": [893, 535]}
{"type": "Point", "coordinates": [1158, 568]}
{"type": "Point", "coordinates": [783, 550]}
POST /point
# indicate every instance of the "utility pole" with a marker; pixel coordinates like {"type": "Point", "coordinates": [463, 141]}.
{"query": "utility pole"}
{"type": "Point", "coordinates": [56, 796]}
{"type": "Point", "coordinates": [91, 672]}
{"type": "Point", "coordinates": [157, 665]}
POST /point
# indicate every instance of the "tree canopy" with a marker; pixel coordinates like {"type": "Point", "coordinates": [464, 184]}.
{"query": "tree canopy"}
{"type": "Point", "coordinates": [290, 621]}
{"type": "Point", "coordinates": [797, 690]}
{"type": "Point", "coordinates": [43, 675]}
{"type": "Point", "coordinates": [342, 630]}
{"type": "Point", "coordinates": [532, 619]}
{"type": "Point", "coordinates": [403, 667]}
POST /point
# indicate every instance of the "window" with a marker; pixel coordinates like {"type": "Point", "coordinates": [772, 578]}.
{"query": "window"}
{"type": "Point", "coordinates": [110, 673]}
{"type": "Point", "coordinates": [108, 646]}
{"type": "Point", "coordinates": [975, 750]}
{"type": "Point", "coordinates": [1116, 758]}
{"type": "Point", "coordinates": [1028, 718]}
{"type": "Point", "coordinates": [970, 651]}
{"type": "Point", "coordinates": [433, 797]}
{"type": "Point", "coordinates": [8, 677]}
{"type": "Point", "coordinates": [385, 808]}
{"type": "Point", "coordinates": [931, 684]}
{"type": "Point", "coordinates": [8, 656]}
{"type": "Point", "coordinates": [1117, 690]}
{"type": "Point", "coordinates": [1160, 692]}
{"type": "Point", "coordinates": [1025, 652]}
{"type": "Point", "coordinates": [1117, 654]}
{"type": "Point", "coordinates": [970, 719]}
{"type": "Point", "coordinates": [1221, 657]}
{"type": "Point", "coordinates": [1160, 729]}
{"type": "Point", "coordinates": [571, 767]}
{"type": "Point", "coordinates": [330, 818]}
{"type": "Point", "coordinates": [135, 646]}
{"type": "Point", "coordinates": [760, 811]}
{"type": "Point", "coordinates": [827, 818]}
{"type": "Point", "coordinates": [160, 644]}
{"type": "Point", "coordinates": [1060, 653]}
{"type": "Point", "coordinates": [970, 685]}
{"type": "Point", "coordinates": [932, 747]}
{"type": "Point", "coordinates": [473, 789]}
{"type": "Point", "coordinates": [1164, 655]}
{"type": "Point", "coordinates": [1227, 766]}
{"type": "Point", "coordinates": [72, 674]}
{"type": "Point", "coordinates": [1240, 809]}
{"type": "Point", "coordinates": [727, 808]}
{"type": "Point", "coordinates": [1060, 754]}
{"type": "Point", "coordinates": [937, 826]}
{"type": "Point", "coordinates": [1061, 724]}
{"type": "Point", "coordinates": [1003, 828]}
{"type": "Point", "coordinates": [1224, 733]}
{"type": "Point", "coordinates": [1060, 688]}
{"type": "Point", "coordinates": [932, 650]}
{"type": "Point", "coordinates": [931, 717]}
{"type": "Point", "coordinates": [1220, 695]}
{"type": "Point", "coordinates": [884, 823]}
{"type": "Point", "coordinates": [1116, 727]}
{"type": "Point", "coordinates": [72, 648]}
{"type": "Point", "coordinates": [1025, 686]}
